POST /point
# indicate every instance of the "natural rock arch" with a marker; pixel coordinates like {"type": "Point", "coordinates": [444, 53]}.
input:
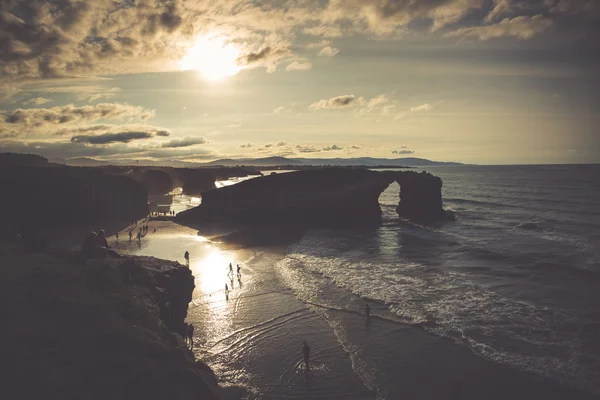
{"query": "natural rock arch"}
{"type": "Point", "coordinates": [323, 197]}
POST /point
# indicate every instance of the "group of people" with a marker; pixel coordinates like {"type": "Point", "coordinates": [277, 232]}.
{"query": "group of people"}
{"type": "Point", "coordinates": [188, 334]}
{"type": "Point", "coordinates": [95, 245]}
{"type": "Point", "coordinates": [159, 213]}
{"type": "Point", "coordinates": [230, 274]}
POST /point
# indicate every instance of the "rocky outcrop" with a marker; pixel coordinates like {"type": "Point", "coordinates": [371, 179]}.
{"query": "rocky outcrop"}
{"type": "Point", "coordinates": [319, 198]}
{"type": "Point", "coordinates": [171, 285]}
{"type": "Point", "coordinates": [60, 194]}
{"type": "Point", "coordinates": [109, 328]}
{"type": "Point", "coordinates": [420, 196]}
{"type": "Point", "coordinates": [154, 180]}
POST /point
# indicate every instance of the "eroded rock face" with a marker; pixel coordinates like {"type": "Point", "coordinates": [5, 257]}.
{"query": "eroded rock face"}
{"type": "Point", "coordinates": [60, 194]}
{"type": "Point", "coordinates": [319, 198]}
{"type": "Point", "coordinates": [170, 283]}
{"type": "Point", "coordinates": [421, 197]}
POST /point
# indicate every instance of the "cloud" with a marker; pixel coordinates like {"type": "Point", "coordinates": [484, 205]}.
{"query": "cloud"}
{"type": "Point", "coordinates": [521, 27]}
{"type": "Point", "coordinates": [37, 101]}
{"type": "Point", "coordinates": [298, 66]}
{"type": "Point", "coordinates": [421, 108]}
{"type": "Point", "coordinates": [237, 124]}
{"type": "Point", "coordinates": [347, 100]}
{"type": "Point", "coordinates": [332, 147]}
{"type": "Point", "coordinates": [267, 57]}
{"type": "Point", "coordinates": [268, 145]}
{"type": "Point", "coordinates": [49, 120]}
{"type": "Point", "coordinates": [389, 17]}
{"type": "Point", "coordinates": [247, 145]}
{"type": "Point", "coordinates": [281, 144]}
{"type": "Point", "coordinates": [354, 147]}
{"type": "Point", "coordinates": [184, 142]}
{"type": "Point", "coordinates": [307, 148]}
{"type": "Point", "coordinates": [318, 45]}
{"type": "Point", "coordinates": [107, 138]}
{"type": "Point", "coordinates": [377, 104]}
{"type": "Point", "coordinates": [403, 151]}
{"type": "Point", "coordinates": [279, 110]}
{"type": "Point", "coordinates": [328, 51]}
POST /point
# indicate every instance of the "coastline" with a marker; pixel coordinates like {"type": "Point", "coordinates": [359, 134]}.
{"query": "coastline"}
{"type": "Point", "coordinates": [252, 338]}
{"type": "Point", "coordinates": [96, 329]}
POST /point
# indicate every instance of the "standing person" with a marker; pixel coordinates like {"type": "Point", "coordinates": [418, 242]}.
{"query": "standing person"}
{"type": "Point", "coordinates": [226, 288]}
{"type": "Point", "coordinates": [186, 330]}
{"type": "Point", "coordinates": [130, 235]}
{"type": "Point", "coordinates": [238, 269]}
{"type": "Point", "coordinates": [191, 334]}
{"type": "Point", "coordinates": [117, 236]}
{"type": "Point", "coordinates": [230, 269]}
{"type": "Point", "coordinates": [306, 352]}
{"type": "Point", "coordinates": [186, 255]}
{"type": "Point", "coordinates": [368, 311]}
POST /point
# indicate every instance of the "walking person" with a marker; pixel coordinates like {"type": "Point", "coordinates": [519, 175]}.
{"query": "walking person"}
{"type": "Point", "coordinates": [306, 353]}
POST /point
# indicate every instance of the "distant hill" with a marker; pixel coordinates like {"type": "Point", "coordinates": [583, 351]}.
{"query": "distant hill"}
{"type": "Point", "coordinates": [85, 162]}
{"type": "Point", "coordinates": [362, 161]}
{"type": "Point", "coordinates": [22, 159]}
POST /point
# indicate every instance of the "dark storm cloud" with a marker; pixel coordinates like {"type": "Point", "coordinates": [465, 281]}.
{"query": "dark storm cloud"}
{"type": "Point", "coordinates": [107, 138]}
{"type": "Point", "coordinates": [184, 142]}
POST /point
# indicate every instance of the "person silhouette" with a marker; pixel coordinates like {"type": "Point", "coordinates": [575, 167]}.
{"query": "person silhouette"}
{"type": "Point", "coordinates": [186, 255]}
{"type": "Point", "coordinates": [117, 236]}
{"type": "Point", "coordinates": [238, 269]}
{"type": "Point", "coordinates": [191, 334]}
{"type": "Point", "coordinates": [306, 353]}
{"type": "Point", "coordinates": [230, 268]}
{"type": "Point", "coordinates": [130, 235]}
{"type": "Point", "coordinates": [368, 311]}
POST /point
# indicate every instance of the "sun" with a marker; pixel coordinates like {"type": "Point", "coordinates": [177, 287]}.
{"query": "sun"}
{"type": "Point", "coordinates": [212, 57]}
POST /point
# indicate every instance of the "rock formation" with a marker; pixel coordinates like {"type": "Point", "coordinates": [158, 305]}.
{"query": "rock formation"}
{"type": "Point", "coordinates": [61, 194]}
{"type": "Point", "coordinates": [320, 198]}
{"type": "Point", "coordinates": [154, 180]}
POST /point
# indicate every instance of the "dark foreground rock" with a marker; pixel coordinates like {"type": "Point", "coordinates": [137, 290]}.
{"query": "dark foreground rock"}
{"type": "Point", "coordinates": [36, 196]}
{"type": "Point", "coordinates": [320, 198]}
{"type": "Point", "coordinates": [96, 329]}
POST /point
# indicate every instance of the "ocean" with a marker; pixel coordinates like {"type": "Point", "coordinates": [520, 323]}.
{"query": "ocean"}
{"type": "Point", "coordinates": [516, 279]}
{"type": "Point", "coordinates": [501, 303]}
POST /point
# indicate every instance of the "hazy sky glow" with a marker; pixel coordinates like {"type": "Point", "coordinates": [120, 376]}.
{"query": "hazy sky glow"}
{"type": "Point", "coordinates": [481, 81]}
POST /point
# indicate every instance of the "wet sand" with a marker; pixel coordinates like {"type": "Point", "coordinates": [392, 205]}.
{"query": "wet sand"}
{"type": "Point", "coordinates": [252, 335]}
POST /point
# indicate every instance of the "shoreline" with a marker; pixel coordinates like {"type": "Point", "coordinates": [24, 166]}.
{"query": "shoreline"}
{"type": "Point", "coordinates": [252, 339]}
{"type": "Point", "coordinates": [96, 328]}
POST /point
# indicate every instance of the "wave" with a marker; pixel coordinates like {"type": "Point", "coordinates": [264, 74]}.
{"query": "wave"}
{"type": "Point", "coordinates": [444, 302]}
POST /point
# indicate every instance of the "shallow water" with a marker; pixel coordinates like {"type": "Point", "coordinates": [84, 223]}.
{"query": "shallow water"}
{"type": "Point", "coordinates": [512, 283]}
{"type": "Point", "coordinates": [514, 279]}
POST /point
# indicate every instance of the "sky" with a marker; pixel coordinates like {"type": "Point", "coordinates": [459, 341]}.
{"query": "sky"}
{"type": "Point", "coordinates": [473, 81]}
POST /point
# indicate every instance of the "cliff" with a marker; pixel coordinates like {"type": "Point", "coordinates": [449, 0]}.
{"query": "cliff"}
{"type": "Point", "coordinates": [96, 329]}
{"type": "Point", "coordinates": [320, 198]}
{"type": "Point", "coordinates": [155, 181]}
{"type": "Point", "coordinates": [34, 196]}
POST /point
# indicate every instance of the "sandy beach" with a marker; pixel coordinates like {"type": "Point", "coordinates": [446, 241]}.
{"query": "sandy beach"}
{"type": "Point", "coordinates": [252, 335]}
